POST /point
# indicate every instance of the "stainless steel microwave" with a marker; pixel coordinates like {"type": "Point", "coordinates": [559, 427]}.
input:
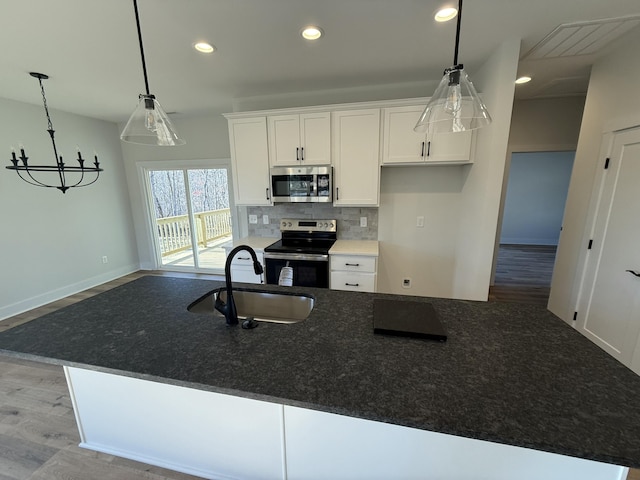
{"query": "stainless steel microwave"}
{"type": "Point", "coordinates": [301, 184]}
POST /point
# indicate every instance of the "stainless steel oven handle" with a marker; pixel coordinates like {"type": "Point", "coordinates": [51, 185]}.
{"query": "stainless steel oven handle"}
{"type": "Point", "coordinates": [297, 256]}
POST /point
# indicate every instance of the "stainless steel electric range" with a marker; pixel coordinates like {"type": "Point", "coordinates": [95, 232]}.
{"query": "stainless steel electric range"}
{"type": "Point", "coordinates": [304, 247]}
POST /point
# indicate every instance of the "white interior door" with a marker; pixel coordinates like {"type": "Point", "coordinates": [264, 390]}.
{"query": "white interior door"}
{"type": "Point", "coordinates": [609, 309]}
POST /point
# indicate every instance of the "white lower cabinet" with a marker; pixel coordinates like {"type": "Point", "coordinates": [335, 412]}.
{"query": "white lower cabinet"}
{"type": "Point", "coordinates": [353, 272]}
{"type": "Point", "coordinates": [322, 445]}
{"type": "Point", "coordinates": [219, 436]}
{"type": "Point", "coordinates": [192, 431]}
{"type": "Point", "coordinates": [242, 266]}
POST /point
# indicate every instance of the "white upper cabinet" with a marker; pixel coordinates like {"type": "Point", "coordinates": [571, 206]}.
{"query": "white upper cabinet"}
{"type": "Point", "coordinates": [250, 165]}
{"type": "Point", "coordinates": [300, 139]}
{"type": "Point", "coordinates": [356, 157]}
{"type": "Point", "coordinates": [401, 145]}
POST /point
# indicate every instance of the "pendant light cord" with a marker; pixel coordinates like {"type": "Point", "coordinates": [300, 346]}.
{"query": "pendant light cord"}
{"type": "Point", "coordinates": [144, 65]}
{"type": "Point", "coordinates": [459, 21]}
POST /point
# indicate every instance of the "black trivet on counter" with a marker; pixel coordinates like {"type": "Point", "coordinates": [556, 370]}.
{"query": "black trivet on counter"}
{"type": "Point", "coordinates": [407, 318]}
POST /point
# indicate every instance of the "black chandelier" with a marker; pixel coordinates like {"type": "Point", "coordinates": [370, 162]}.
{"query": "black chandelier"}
{"type": "Point", "coordinates": [26, 171]}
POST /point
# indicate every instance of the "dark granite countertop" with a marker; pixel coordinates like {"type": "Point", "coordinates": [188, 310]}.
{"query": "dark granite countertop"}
{"type": "Point", "coordinates": [509, 373]}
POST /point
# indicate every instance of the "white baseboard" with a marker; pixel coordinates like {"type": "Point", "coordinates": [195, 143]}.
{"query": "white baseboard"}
{"type": "Point", "coordinates": [62, 292]}
{"type": "Point", "coordinates": [154, 461]}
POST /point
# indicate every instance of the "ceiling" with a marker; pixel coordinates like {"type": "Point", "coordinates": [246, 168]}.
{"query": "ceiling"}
{"type": "Point", "coordinates": [89, 48]}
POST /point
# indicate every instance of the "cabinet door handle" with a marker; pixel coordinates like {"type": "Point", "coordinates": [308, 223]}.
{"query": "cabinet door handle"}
{"type": "Point", "coordinates": [302, 154]}
{"type": "Point", "coordinates": [634, 273]}
{"type": "Point", "coordinates": [244, 258]}
{"type": "Point", "coordinates": [267, 190]}
{"type": "Point", "coordinates": [337, 193]}
{"type": "Point", "coordinates": [422, 152]}
{"type": "Point", "coordinates": [352, 284]}
{"type": "Point", "coordinates": [297, 154]}
{"type": "Point", "coordinates": [352, 264]}
{"type": "Point", "coordinates": [429, 148]}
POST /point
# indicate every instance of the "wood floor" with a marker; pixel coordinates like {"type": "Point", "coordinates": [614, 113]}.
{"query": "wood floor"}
{"type": "Point", "coordinates": [523, 274]}
{"type": "Point", "coordinates": [38, 434]}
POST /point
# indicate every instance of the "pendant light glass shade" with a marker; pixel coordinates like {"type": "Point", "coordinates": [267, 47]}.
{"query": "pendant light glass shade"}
{"type": "Point", "coordinates": [150, 125]}
{"type": "Point", "coordinates": [455, 106]}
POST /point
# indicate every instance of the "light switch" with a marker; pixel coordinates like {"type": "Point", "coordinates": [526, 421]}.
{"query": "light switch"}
{"type": "Point", "coordinates": [420, 221]}
{"type": "Point", "coordinates": [265, 219]}
{"type": "Point", "coordinates": [253, 219]}
{"type": "Point", "coordinates": [363, 221]}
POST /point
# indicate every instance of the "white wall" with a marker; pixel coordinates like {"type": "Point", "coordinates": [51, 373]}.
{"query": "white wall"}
{"type": "Point", "coordinates": [480, 202]}
{"type": "Point", "coordinates": [546, 124]}
{"type": "Point", "coordinates": [612, 102]}
{"type": "Point", "coordinates": [535, 197]}
{"type": "Point", "coordinates": [207, 140]}
{"type": "Point", "coordinates": [426, 255]}
{"type": "Point", "coordinates": [52, 243]}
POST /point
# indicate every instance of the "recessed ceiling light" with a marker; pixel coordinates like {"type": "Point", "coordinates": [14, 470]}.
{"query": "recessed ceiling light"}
{"type": "Point", "coordinates": [523, 79]}
{"type": "Point", "coordinates": [204, 47]}
{"type": "Point", "coordinates": [446, 14]}
{"type": "Point", "coordinates": [312, 32]}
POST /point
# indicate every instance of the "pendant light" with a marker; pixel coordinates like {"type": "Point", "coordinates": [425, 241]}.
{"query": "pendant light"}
{"type": "Point", "coordinates": [455, 106]}
{"type": "Point", "coordinates": [149, 124]}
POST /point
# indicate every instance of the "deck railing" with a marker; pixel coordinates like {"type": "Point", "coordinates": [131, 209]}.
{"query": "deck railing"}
{"type": "Point", "coordinates": [174, 233]}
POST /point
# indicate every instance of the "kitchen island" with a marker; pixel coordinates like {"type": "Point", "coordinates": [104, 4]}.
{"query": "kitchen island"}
{"type": "Point", "coordinates": [510, 375]}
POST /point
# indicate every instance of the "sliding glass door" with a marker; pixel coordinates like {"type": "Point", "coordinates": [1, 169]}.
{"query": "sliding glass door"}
{"type": "Point", "coordinates": [191, 217]}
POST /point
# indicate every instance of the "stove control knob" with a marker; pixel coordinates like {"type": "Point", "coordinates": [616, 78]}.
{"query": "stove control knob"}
{"type": "Point", "coordinates": [284, 224]}
{"type": "Point", "coordinates": [331, 225]}
{"type": "Point", "coordinates": [289, 224]}
{"type": "Point", "coordinates": [324, 224]}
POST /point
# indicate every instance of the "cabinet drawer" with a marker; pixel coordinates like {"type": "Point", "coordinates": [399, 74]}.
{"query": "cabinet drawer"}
{"type": "Point", "coordinates": [353, 263]}
{"type": "Point", "coordinates": [243, 259]}
{"type": "Point", "coordinates": [245, 275]}
{"type": "Point", "coordinates": [357, 282]}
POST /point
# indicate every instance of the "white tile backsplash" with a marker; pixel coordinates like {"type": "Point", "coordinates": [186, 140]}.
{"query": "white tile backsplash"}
{"type": "Point", "coordinates": [348, 219]}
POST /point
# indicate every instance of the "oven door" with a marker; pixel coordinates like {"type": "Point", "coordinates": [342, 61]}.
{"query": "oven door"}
{"type": "Point", "coordinates": [308, 270]}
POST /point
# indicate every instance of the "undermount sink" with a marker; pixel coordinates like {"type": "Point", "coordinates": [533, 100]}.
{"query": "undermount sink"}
{"type": "Point", "coordinates": [260, 305]}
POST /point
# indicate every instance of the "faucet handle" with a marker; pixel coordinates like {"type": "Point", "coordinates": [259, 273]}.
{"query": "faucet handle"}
{"type": "Point", "coordinates": [257, 267]}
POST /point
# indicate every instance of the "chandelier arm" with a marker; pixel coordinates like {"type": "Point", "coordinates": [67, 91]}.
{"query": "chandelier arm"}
{"type": "Point", "coordinates": [35, 181]}
{"type": "Point", "coordinates": [79, 181]}
{"type": "Point", "coordinates": [144, 64]}
{"type": "Point", "coordinates": [458, 23]}
{"type": "Point", "coordinates": [90, 183]}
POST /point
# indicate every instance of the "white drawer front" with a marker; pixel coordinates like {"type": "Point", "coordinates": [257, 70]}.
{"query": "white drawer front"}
{"type": "Point", "coordinates": [357, 282]}
{"type": "Point", "coordinates": [243, 258]}
{"type": "Point", "coordinates": [353, 263]}
{"type": "Point", "coordinates": [245, 275]}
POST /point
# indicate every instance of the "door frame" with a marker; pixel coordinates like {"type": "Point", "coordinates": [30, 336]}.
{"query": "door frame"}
{"type": "Point", "coordinates": [511, 149]}
{"type": "Point", "coordinates": [151, 241]}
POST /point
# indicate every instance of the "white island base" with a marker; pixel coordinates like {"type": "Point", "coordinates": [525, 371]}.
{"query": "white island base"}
{"type": "Point", "coordinates": [227, 437]}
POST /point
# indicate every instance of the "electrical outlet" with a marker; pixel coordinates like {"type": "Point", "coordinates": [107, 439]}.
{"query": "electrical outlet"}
{"type": "Point", "coordinates": [265, 219]}
{"type": "Point", "coordinates": [406, 283]}
{"type": "Point", "coordinates": [420, 221]}
{"type": "Point", "coordinates": [105, 259]}
{"type": "Point", "coordinates": [253, 219]}
{"type": "Point", "coordinates": [363, 221]}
